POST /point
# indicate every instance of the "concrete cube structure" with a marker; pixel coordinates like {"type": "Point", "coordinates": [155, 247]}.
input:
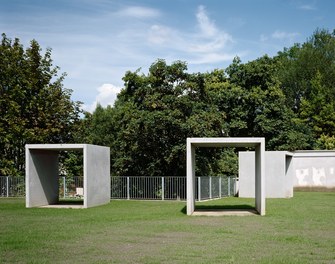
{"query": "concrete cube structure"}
{"type": "Point", "coordinates": [259, 168]}
{"type": "Point", "coordinates": [42, 172]}
{"type": "Point", "coordinates": [278, 171]}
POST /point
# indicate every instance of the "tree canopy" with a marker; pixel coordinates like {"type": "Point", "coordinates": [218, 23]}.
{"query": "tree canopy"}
{"type": "Point", "coordinates": [288, 99]}
{"type": "Point", "coordinates": [34, 105]}
{"type": "Point", "coordinates": [307, 76]}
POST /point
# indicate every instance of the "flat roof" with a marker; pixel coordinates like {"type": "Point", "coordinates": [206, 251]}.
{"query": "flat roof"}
{"type": "Point", "coordinates": [59, 147]}
{"type": "Point", "coordinates": [226, 142]}
{"type": "Point", "coordinates": [314, 153]}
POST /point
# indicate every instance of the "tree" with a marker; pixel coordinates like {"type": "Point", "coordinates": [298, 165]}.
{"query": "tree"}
{"type": "Point", "coordinates": [301, 63]}
{"type": "Point", "coordinates": [307, 76]}
{"type": "Point", "coordinates": [35, 107]}
{"type": "Point", "coordinates": [155, 113]}
{"type": "Point", "coordinates": [255, 105]}
{"type": "Point", "coordinates": [151, 119]}
{"type": "Point", "coordinates": [319, 111]}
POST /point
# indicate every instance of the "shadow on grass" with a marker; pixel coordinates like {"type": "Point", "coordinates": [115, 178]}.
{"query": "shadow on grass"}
{"type": "Point", "coordinates": [224, 207]}
{"type": "Point", "coordinates": [212, 208]}
{"type": "Point", "coordinates": [70, 202]}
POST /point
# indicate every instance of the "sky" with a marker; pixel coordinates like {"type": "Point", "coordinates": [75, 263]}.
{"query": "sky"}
{"type": "Point", "coordinates": [97, 41]}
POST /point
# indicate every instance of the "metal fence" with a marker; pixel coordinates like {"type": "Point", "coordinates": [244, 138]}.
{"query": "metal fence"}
{"type": "Point", "coordinates": [12, 186]}
{"type": "Point", "coordinates": [134, 187]}
{"type": "Point", "coordinates": [170, 187]}
{"type": "Point", "coordinates": [71, 187]}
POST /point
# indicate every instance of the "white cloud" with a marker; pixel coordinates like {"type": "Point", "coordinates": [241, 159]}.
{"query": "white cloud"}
{"type": "Point", "coordinates": [206, 26]}
{"type": "Point", "coordinates": [160, 34]}
{"type": "Point", "coordinates": [107, 94]}
{"type": "Point", "coordinates": [263, 38]}
{"type": "Point", "coordinates": [139, 12]}
{"type": "Point", "coordinates": [100, 46]}
{"type": "Point", "coordinates": [209, 58]}
{"type": "Point", "coordinates": [209, 30]}
{"type": "Point", "coordinates": [281, 35]}
{"type": "Point", "coordinates": [207, 45]}
{"type": "Point", "coordinates": [215, 44]}
{"type": "Point", "coordinates": [307, 7]}
{"type": "Point", "coordinates": [277, 39]}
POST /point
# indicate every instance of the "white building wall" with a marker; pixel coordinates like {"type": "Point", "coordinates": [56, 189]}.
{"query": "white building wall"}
{"type": "Point", "coordinates": [314, 169]}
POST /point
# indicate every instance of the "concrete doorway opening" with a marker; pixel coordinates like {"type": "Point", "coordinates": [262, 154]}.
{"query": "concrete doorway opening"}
{"type": "Point", "coordinates": [259, 146]}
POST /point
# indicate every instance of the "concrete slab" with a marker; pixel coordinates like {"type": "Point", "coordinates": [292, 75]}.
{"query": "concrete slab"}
{"type": "Point", "coordinates": [230, 212]}
{"type": "Point", "coordinates": [63, 206]}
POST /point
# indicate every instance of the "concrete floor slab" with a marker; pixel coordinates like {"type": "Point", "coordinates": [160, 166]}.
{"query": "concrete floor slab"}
{"type": "Point", "coordinates": [229, 212]}
{"type": "Point", "coordinates": [63, 206]}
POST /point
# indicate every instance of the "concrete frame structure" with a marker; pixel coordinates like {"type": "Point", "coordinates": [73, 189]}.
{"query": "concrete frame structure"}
{"type": "Point", "coordinates": [278, 171]}
{"type": "Point", "coordinates": [42, 172]}
{"type": "Point", "coordinates": [257, 143]}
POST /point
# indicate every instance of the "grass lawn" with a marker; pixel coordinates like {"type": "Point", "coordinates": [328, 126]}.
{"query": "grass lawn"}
{"type": "Point", "coordinates": [296, 230]}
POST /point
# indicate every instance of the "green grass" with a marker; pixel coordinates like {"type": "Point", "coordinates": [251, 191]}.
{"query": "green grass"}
{"type": "Point", "coordinates": [296, 230]}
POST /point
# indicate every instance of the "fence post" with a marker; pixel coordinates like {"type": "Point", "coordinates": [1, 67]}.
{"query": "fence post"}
{"type": "Point", "coordinates": [210, 187]}
{"type": "Point", "coordinates": [199, 188]}
{"type": "Point", "coordinates": [228, 186]}
{"type": "Point", "coordinates": [128, 191]}
{"type": "Point", "coordinates": [64, 187]}
{"type": "Point", "coordinates": [235, 186]}
{"type": "Point", "coordinates": [220, 180]}
{"type": "Point", "coordinates": [163, 187]}
{"type": "Point", "coordinates": [7, 186]}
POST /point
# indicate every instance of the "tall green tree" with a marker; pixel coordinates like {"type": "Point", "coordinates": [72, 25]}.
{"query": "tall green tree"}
{"type": "Point", "coordinates": [151, 119]}
{"type": "Point", "coordinates": [255, 105]}
{"type": "Point", "coordinates": [34, 105]}
{"type": "Point", "coordinates": [302, 62]}
{"type": "Point", "coordinates": [307, 76]}
{"type": "Point", "coordinates": [319, 110]}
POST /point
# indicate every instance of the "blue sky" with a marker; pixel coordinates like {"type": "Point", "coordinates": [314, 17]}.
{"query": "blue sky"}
{"type": "Point", "coordinates": [96, 41]}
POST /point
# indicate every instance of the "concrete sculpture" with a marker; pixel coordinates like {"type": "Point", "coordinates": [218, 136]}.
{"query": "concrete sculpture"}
{"type": "Point", "coordinates": [42, 172]}
{"type": "Point", "coordinates": [257, 143]}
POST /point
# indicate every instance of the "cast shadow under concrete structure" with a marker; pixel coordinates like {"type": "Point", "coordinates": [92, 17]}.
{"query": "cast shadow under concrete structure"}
{"type": "Point", "coordinates": [42, 172]}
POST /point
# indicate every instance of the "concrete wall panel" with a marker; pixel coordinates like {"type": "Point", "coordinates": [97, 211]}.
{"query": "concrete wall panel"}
{"type": "Point", "coordinates": [97, 166]}
{"type": "Point", "coordinates": [278, 174]}
{"type": "Point", "coordinates": [42, 185]}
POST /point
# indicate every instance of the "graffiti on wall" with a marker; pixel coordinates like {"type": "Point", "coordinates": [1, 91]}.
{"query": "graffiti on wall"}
{"type": "Point", "coordinates": [313, 176]}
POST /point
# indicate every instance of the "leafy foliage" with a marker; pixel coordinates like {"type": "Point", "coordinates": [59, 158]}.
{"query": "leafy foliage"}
{"type": "Point", "coordinates": [288, 99]}
{"type": "Point", "coordinates": [307, 79]}
{"type": "Point", "coordinates": [155, 113]}
{"type": "Point", "coordinates": [152, 118]}
{"type": "Point", "coordinates": [35, 108]}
